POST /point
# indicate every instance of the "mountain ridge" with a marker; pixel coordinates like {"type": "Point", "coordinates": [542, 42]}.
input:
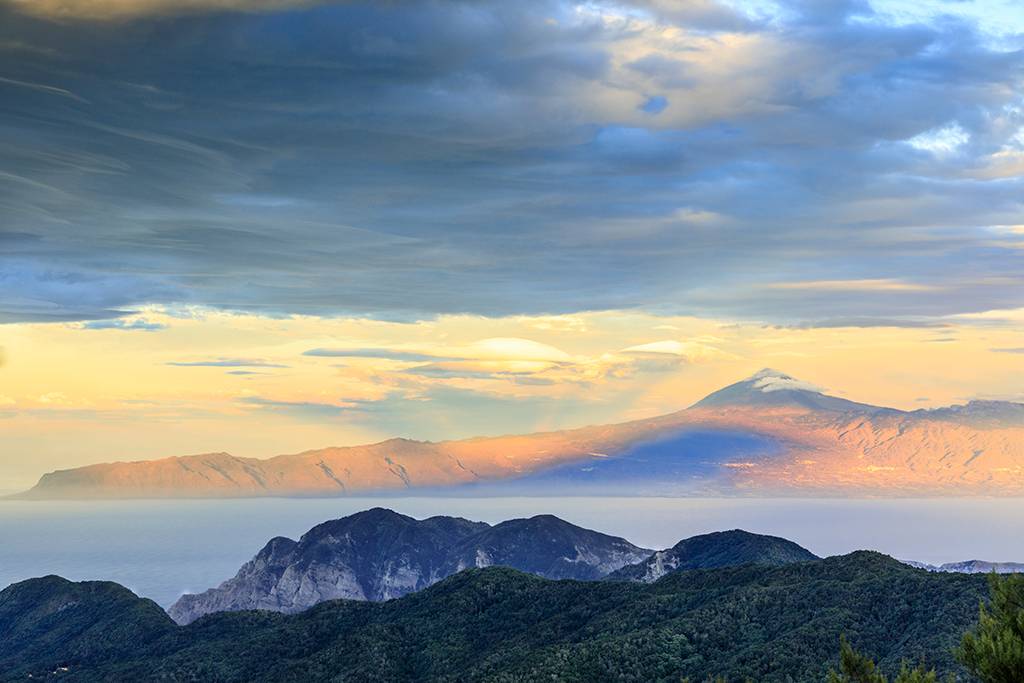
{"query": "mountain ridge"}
{"type": "Point", "coordinates": [795, 440]}
{"type": "Point", "coordinates": [379, 554]}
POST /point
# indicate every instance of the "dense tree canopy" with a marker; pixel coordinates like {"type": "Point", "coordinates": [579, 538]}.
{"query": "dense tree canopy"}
{"type": "Point", "coordinates": [766, 624]}
{"type": "Point", "coordinates": [994, 650]}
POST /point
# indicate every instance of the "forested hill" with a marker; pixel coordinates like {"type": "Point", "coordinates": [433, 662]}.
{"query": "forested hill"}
{"type": "Point", "coordinates": [763, 623]}
{"type": "Point", "coordinates": [717, 549]}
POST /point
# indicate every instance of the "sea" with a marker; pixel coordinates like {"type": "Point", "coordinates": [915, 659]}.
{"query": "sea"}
{"type": "Point", "coordinates": [163, 548]}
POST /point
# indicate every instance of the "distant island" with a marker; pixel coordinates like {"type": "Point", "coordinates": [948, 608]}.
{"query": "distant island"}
{"type": "Point", "coordinates": [770, 434]}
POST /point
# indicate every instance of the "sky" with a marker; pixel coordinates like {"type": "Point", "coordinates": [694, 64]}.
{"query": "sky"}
{"type": "Point", "coordinates": [263, 226]}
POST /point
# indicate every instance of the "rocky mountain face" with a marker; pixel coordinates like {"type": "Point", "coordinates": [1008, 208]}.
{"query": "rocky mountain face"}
{"type": "Point", "coordinates": [546, 546]}
{"type": "Point", "coordinates": [379, 554]}
{"type": "Point", "coordinates": [771, 434]}
{"type": "Point", "coordinates": [712, 551]}
{"type": "Point", "coordinates": [373, 555]}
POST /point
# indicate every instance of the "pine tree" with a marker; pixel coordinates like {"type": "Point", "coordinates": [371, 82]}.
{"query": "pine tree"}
{"type": "Point", "coordinates": [855, 667]}
{"type": "Point", "coordinates": [994, 650]}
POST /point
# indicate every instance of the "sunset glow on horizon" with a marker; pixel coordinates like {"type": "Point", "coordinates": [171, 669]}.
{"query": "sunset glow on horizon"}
{"type": "Point", "coordinates": [265, 227]}
{"type": "Point", "coordinates": [159, 384]}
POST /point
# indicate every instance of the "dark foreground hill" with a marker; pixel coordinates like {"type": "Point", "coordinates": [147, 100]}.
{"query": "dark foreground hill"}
{"type": "Point", "coordinates": [758, 622]}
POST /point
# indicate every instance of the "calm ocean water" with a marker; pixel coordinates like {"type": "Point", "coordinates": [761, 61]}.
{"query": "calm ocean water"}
{"type": "Point", "coordinates": [160, 549]}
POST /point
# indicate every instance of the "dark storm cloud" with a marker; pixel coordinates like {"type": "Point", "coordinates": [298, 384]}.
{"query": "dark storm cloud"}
{"type": "Point", "coordinates": [403, 160]}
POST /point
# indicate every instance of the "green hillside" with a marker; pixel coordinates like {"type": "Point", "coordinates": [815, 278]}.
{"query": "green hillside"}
{"type": "Point", "coordinates": [715, 550]}
{"type": "Point", "coordinates": [758, 622]}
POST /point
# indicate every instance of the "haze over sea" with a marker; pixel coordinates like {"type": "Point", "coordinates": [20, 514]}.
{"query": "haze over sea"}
{"type": "Point", "coordinates": [162, 548]}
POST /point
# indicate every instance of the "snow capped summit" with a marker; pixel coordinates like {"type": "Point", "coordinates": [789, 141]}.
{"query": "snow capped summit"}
{"type": "Point", "coordinates": [777, 389]}
{"type": "Point", "coordinates": [767, 373]}
{"type": "Point", "coordinates": [769, 380]}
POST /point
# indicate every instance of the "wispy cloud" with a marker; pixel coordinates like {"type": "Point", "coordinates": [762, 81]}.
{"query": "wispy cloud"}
{"type": "Point", "coordinates": [692, 351]}
{"type": "Point", "coordinates": [120, 9]}
{"type": "Point", "coordinates": [473, 371]}
{"type": "Point", "coordinates": [305, 410]}
{"type": "Point", "coordinates": [863, 285]}
{"type": "Point", "coordinates": [493, 348]}
{"type": "Point", "coordinates": [119, 324]}
{"type": "Point", "coordinates": [383, 353]}
{"type": "Point", "coordinates": [908, 323]}
{"type": "Point", "coordinates": [42, 87]}
{"type": "Point", "coordinates": [227, 363]}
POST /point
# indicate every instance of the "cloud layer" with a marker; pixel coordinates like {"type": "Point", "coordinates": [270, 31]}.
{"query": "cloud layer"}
{"type": "Point", "coordinates": [121, 9]}
{"type": "Point", "coordinates": [402, 160]}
